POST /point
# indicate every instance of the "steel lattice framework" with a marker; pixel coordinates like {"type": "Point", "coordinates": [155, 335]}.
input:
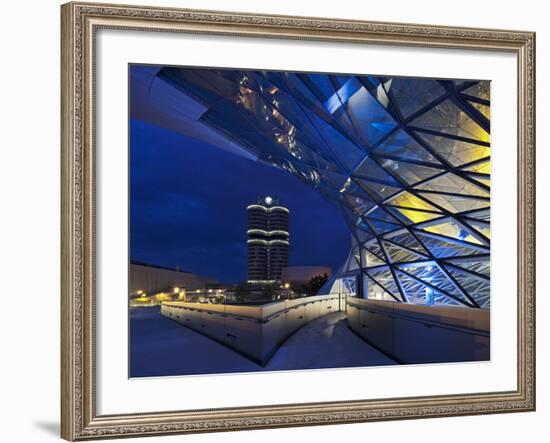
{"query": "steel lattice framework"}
{"type": "Point", "coordinates": [407, 160]}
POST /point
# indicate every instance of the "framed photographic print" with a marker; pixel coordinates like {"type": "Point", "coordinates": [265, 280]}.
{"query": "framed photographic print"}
{"type": "Point", "coordinates": [283, 221]}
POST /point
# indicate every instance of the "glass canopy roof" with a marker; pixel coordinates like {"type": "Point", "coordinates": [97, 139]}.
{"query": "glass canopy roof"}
{"type": "Point", "coordinates": [407, 161]}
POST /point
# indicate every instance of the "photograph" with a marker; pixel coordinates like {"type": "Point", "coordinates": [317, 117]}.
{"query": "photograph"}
{"type": "Point", "coordinates": [288, 221]}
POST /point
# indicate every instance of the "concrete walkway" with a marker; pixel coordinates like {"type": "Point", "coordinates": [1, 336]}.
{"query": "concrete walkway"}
{"type": "Point", "coordinates": [326, 343]}
{"type": "Point", "coordinates": [162, 347]}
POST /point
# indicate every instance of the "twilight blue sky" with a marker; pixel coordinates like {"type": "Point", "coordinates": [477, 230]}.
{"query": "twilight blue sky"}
{"type": "Point", "coordinates": [188, 207]}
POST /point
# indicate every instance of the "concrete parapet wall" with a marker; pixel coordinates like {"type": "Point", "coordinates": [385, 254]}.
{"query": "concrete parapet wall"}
{"type": "Point", "coordinates": [254, 331]}
{"type": "Point", "coordinates": [422, 334]}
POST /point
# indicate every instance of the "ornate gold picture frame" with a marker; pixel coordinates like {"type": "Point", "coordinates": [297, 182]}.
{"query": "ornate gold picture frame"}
{"type": "Point", "coordinates": [80, 22]}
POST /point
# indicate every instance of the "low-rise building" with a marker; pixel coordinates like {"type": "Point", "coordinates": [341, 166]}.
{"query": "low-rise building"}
{"type": "Point", "coordinates": [151, 284]}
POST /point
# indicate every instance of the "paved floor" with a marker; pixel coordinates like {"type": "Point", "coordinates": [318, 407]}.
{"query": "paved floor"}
{"type": "Point", "coordinates": [161, 347]}
{"type": "Point", "coordinates": [326, 343]}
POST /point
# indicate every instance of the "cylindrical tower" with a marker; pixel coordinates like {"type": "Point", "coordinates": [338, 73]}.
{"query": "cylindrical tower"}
{"type": "Point", "coordinates": [268, 240]}
{"type": "Point", "coordinates": [278, 241]}
{"type": "Point", "coordinates": [257, 243]}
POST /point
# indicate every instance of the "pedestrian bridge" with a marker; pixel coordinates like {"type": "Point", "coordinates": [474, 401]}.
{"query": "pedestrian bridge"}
{"type": "Point", "coordinates": [406, 333]}
{"type": "Point", "coordinates": [254, 331]}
